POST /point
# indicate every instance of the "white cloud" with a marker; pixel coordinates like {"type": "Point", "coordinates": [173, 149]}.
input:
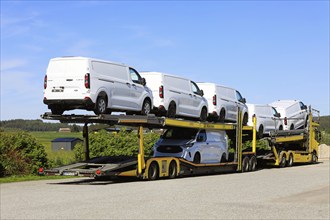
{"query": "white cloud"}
{"type": "Point", "coordinates": [12, 64]}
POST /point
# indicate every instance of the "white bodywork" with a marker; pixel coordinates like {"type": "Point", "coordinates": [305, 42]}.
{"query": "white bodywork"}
{"type": "Point", "coordinates": [267, 117]}
{"type": "Point", "coordinates": [227, 100]}
{"type": "Point", "coordinates": [293, 112]}
{"type": "Point", "coordinates": [181, 91]}
{"type": "Point", "coordinates": [66, 87]}
{"type": "Point", "coordinates": [212, 146]}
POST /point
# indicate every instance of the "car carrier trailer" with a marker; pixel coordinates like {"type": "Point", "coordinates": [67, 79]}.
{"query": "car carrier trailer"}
{"type": "Point", "coordinates": [156, 167]}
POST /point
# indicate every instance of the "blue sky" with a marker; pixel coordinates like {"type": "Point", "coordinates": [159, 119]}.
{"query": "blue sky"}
{"type": "Point", "coordinates": [268, 50]}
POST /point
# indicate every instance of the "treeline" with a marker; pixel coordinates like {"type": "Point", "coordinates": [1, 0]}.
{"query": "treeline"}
{"type": "Point", "coordinates": [35, 125]}
{"type": "Point", "coordinates": [325, 123]}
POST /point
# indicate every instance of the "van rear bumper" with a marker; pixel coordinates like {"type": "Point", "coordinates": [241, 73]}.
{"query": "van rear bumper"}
{"type": "Point", "coordinates": [69, 104]}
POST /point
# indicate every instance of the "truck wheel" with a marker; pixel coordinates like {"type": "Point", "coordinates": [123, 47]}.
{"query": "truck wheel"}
{"type": "Point", "coordinates": [253, 163]}
{"type": "Point", "coordinates": [261, 131]}
{"type": "Point", "coordinates": [56, 110]}
{"type": "Point", "coordinates": [245, 164]}
{"type": "Point", "coordinates": [172, 170]}
{"type": "Point", "coordinates": [153, 171]}
{"type": "Point", "coordinates": [314, 157]}
{"type": "Point", "coordinates": [146, 107]}
{"type": "Point", "coordinates": [171, 112]}
{"type": "Point", "coordinates": [197, 158]}
{"type": "Point", "coordinates": [203, 116]}
{"type": "Point", "coordinates": [290, 161]}
{"type": "Point", "coordinates": [101, 105]}
{"type": "Point", "coordinates": [283, 161]}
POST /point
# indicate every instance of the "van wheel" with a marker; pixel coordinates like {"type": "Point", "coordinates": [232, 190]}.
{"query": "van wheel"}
{"type": "Point", "coordinates": [171, 112]}
{"type": "Point", "coordinates": [197, 158]}
{"type": "Point", "coordinates": [101, 105]}
{"type": "Point", "coordinates": [223, 158]}
{"type": "Point", "coordinates": [222, 116]}
{"type": "Point", "coordinates": [261, 131]}
{"type": "Point", "coordinates": [146, 107]}
{"type": "Point", "coordinates": [280, 128]}
{"type": "Point", "coordinates": [57, 110]}
{"type": "Point", "coordinates": [172, 170]}
{"type": "Point", "coordinates": [292, 127]}
{"type": "Point", "coordinates": [245, 119]}
{"type": "Point", "coordinates": [203, 116]}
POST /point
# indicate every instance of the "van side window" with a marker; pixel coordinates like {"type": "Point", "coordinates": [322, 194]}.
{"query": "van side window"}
{"type": "Point", "coordinates": [238, 96]}
{"type": "Point", "coordinates": [302, 106]}
{"type": "Point", "coordinates": [201, 136]}
{"type": "Point", "coordinates": [274, 111]}
{"type": "Point", "coordinates": [195, 88]}
{"type": "Point", "coordinates": [135, 76]}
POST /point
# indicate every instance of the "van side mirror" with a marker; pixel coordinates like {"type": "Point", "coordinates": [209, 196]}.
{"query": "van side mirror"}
{"type": "Point", "coordinates": [305, 107]}
{"type": "Point", "coordinates": [201, 92]}
{"type": "Point", "coordinates": [243, 100]}
{"type": "Point", "coordinates": [278, 115]}
{"type": "Point", "coordinates": [143, 81]}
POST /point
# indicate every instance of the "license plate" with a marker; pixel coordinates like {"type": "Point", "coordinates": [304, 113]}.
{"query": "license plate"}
{"type": "Point", "coordinates": [58, 90]}
{"type": "Point", "coordinates": [69, 173]}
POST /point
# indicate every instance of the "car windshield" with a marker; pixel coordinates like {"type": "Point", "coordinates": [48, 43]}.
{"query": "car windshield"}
{"type": "Point", "coordinates": [180, 134]}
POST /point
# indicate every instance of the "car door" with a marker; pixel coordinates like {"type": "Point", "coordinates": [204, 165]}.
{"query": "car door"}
{"type": "Point", "coordinates": [203, 146]}
{"type": "Point", "coordinates": [137, 89]}
{"type": "Point", "coordinates": [276, 118]}
{"type": "Point", "coordinates": [197, 99]}
{"type": "Point", "coordinates": [240, 103]}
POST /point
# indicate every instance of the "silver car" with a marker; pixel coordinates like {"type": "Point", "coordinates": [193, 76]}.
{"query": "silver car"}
{"type": "Point", "coordinates": [197, 146]}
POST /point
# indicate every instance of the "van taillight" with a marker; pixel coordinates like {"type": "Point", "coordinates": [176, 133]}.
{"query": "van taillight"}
{"type": "Point", "coordinates": [214, 100]}
{"type": "Point", "coordinates": [285, 121]}
{"type": "Point", "coordinates": [87, 81]}
{"type": "Point", "coordinates": [161, 92]}
{"type": "Point", "coordinates": [45, 82]}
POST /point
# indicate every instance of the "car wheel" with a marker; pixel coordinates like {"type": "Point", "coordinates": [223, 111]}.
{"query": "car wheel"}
{"type": "Point", "coordinates": [252, 163]}
{"type": "Point", "coordinates": [222, 116]}
{"type": "Point", "coordinates": [203, 116]}
{"type": "Point", "coordinates": [245, 164]}
{"type": "Point", "coordinates": [153, 171]}
{"type": "Point", "coordinates": [57, 110]}
{"type": "Point", "coordinates": [290, 161]}
{"type": "Point", "coordinates": [283, 161]}
{"type": "Point", "coordinates": [171, 112]}
{"type": "Point", "coordinates": [172, 170]}
{"type": "Point", "coordinates": [101, 105]}
{"type": "Point", "coordinates": [245, 119]}
{"type": "Point", "coordinates": [146, 107]}
{"type": "Point", "coordinates": [197, 158]}
{"type": "Point", "coordinates": [261, 131]}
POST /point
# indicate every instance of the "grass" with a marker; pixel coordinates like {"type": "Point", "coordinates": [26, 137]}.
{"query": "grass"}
{"type": "Point", "coordinates": [13, 179]}
{"type": "Point", "coordinates": [61, 157]}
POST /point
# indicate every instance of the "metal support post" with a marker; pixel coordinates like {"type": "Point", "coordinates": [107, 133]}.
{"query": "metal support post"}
{"type": "Point", "coordinates": [141, 161]}
{"type": "Point", "coordinates": [85, 135]}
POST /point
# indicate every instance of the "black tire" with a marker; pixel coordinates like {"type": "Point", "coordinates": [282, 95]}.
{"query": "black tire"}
{"type": "Point", "coordinates": [57, 110]}
{"type": "Point", "coordinates": [289, 163]}
{"type": "Point", "coordinates": [314, 157]}
{"type": "Point", "coordinates": [172, 170]}
{"type": "Point", "coordinates": [283, 161]}
{"type": "Point", "coordinates": [153, 171]}
{"type": "Point", "coordinates": [261, 132]}
{"type": "Point", "coordinates": [245, 119]}
{"type": "Point", "coordinates": [171, 112]}
{"type": "Point", "coordinates": [245, 164]}
{"type": "Point", "coordinates": [253, 163]}
{"type": "Point", "coordinates": [223, 158]}
{"type": "Point", "coordinates": [146, 107]}
{"type": "Point", "coordinates": [291, 127]}
{"type": "Point", "coordinates": [101, 105]}
{"type": "Point", "coordinates": [222, 116]}
{"type": "Point", "coordinates": [197, 158]}
{"type": "Point", "coordinates": [203, 116]}
{"type": "Point", "coordinates": [280, 128]}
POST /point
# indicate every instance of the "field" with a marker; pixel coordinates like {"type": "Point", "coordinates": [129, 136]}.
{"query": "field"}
{"type": "Point", "coordinates": [58, 157]}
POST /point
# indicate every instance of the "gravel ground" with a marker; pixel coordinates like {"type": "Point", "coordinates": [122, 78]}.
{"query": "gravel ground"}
{"type": "Point", "coordinates": [299, 192]}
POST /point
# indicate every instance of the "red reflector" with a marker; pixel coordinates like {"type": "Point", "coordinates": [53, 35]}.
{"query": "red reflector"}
{"type": "Point", "coordinates": [214, 100]}
{"type": "Point", "coordinates": [98, 172]}
{"type": "Point", "coordinates": [285, 121]}
{"type": "Point", "coordinates": [45, 82]}
{"type": "Point", "coordinates": [41, 170]}
{"type": "Point", "coordinates": [87, 81]}
{"type": "Point", "coordinates": [161, 92]}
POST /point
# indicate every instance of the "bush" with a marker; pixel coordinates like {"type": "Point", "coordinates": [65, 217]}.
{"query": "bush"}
{"type": "Point", "coordinates": [20, 154]}
{"type": "Point", "coordinates": [122, 143]}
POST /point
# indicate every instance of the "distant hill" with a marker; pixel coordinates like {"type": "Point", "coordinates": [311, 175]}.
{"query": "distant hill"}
{"type": "Point", "coordinates": [35, 125]}
{"type": "Point", "coordinates": [325, 123]}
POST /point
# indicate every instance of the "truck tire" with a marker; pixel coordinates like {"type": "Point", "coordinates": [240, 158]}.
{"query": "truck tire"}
{"type": "Point", "coordinates": [253, 163]}
{"type": "Point", "coordinates": [314, 157]}
{"type": "Point", "coordinates": [289, 163]}
{"type": "Point", "coordinates": [283, 161]}
{"type": "Point", "coordinates": [172, 170]}
{"type": "Point", "coordinates": [153, 171]}
{"type": "Point", "coordinates": [245, 164]}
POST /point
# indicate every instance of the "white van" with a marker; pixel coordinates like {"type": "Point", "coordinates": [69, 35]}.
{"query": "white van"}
{"type": "Point", "coordinates": [223, 102]}
{"type": "Point", "coordinates": [176, 96]}
{"type": "Point", "coordinates": [268, 119]}
{"type": "Point", "coordinates": [294, 113]}
{"type": "Point", "coordinates": [198, 146]}
{"type": "Point", "coordinates": [95, 85]}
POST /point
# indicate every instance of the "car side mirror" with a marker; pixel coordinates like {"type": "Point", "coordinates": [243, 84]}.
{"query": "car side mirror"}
{"type": "Point", "coordinates": [243, 100]}
{"type": "Point", "coordinates": [143, 81]}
